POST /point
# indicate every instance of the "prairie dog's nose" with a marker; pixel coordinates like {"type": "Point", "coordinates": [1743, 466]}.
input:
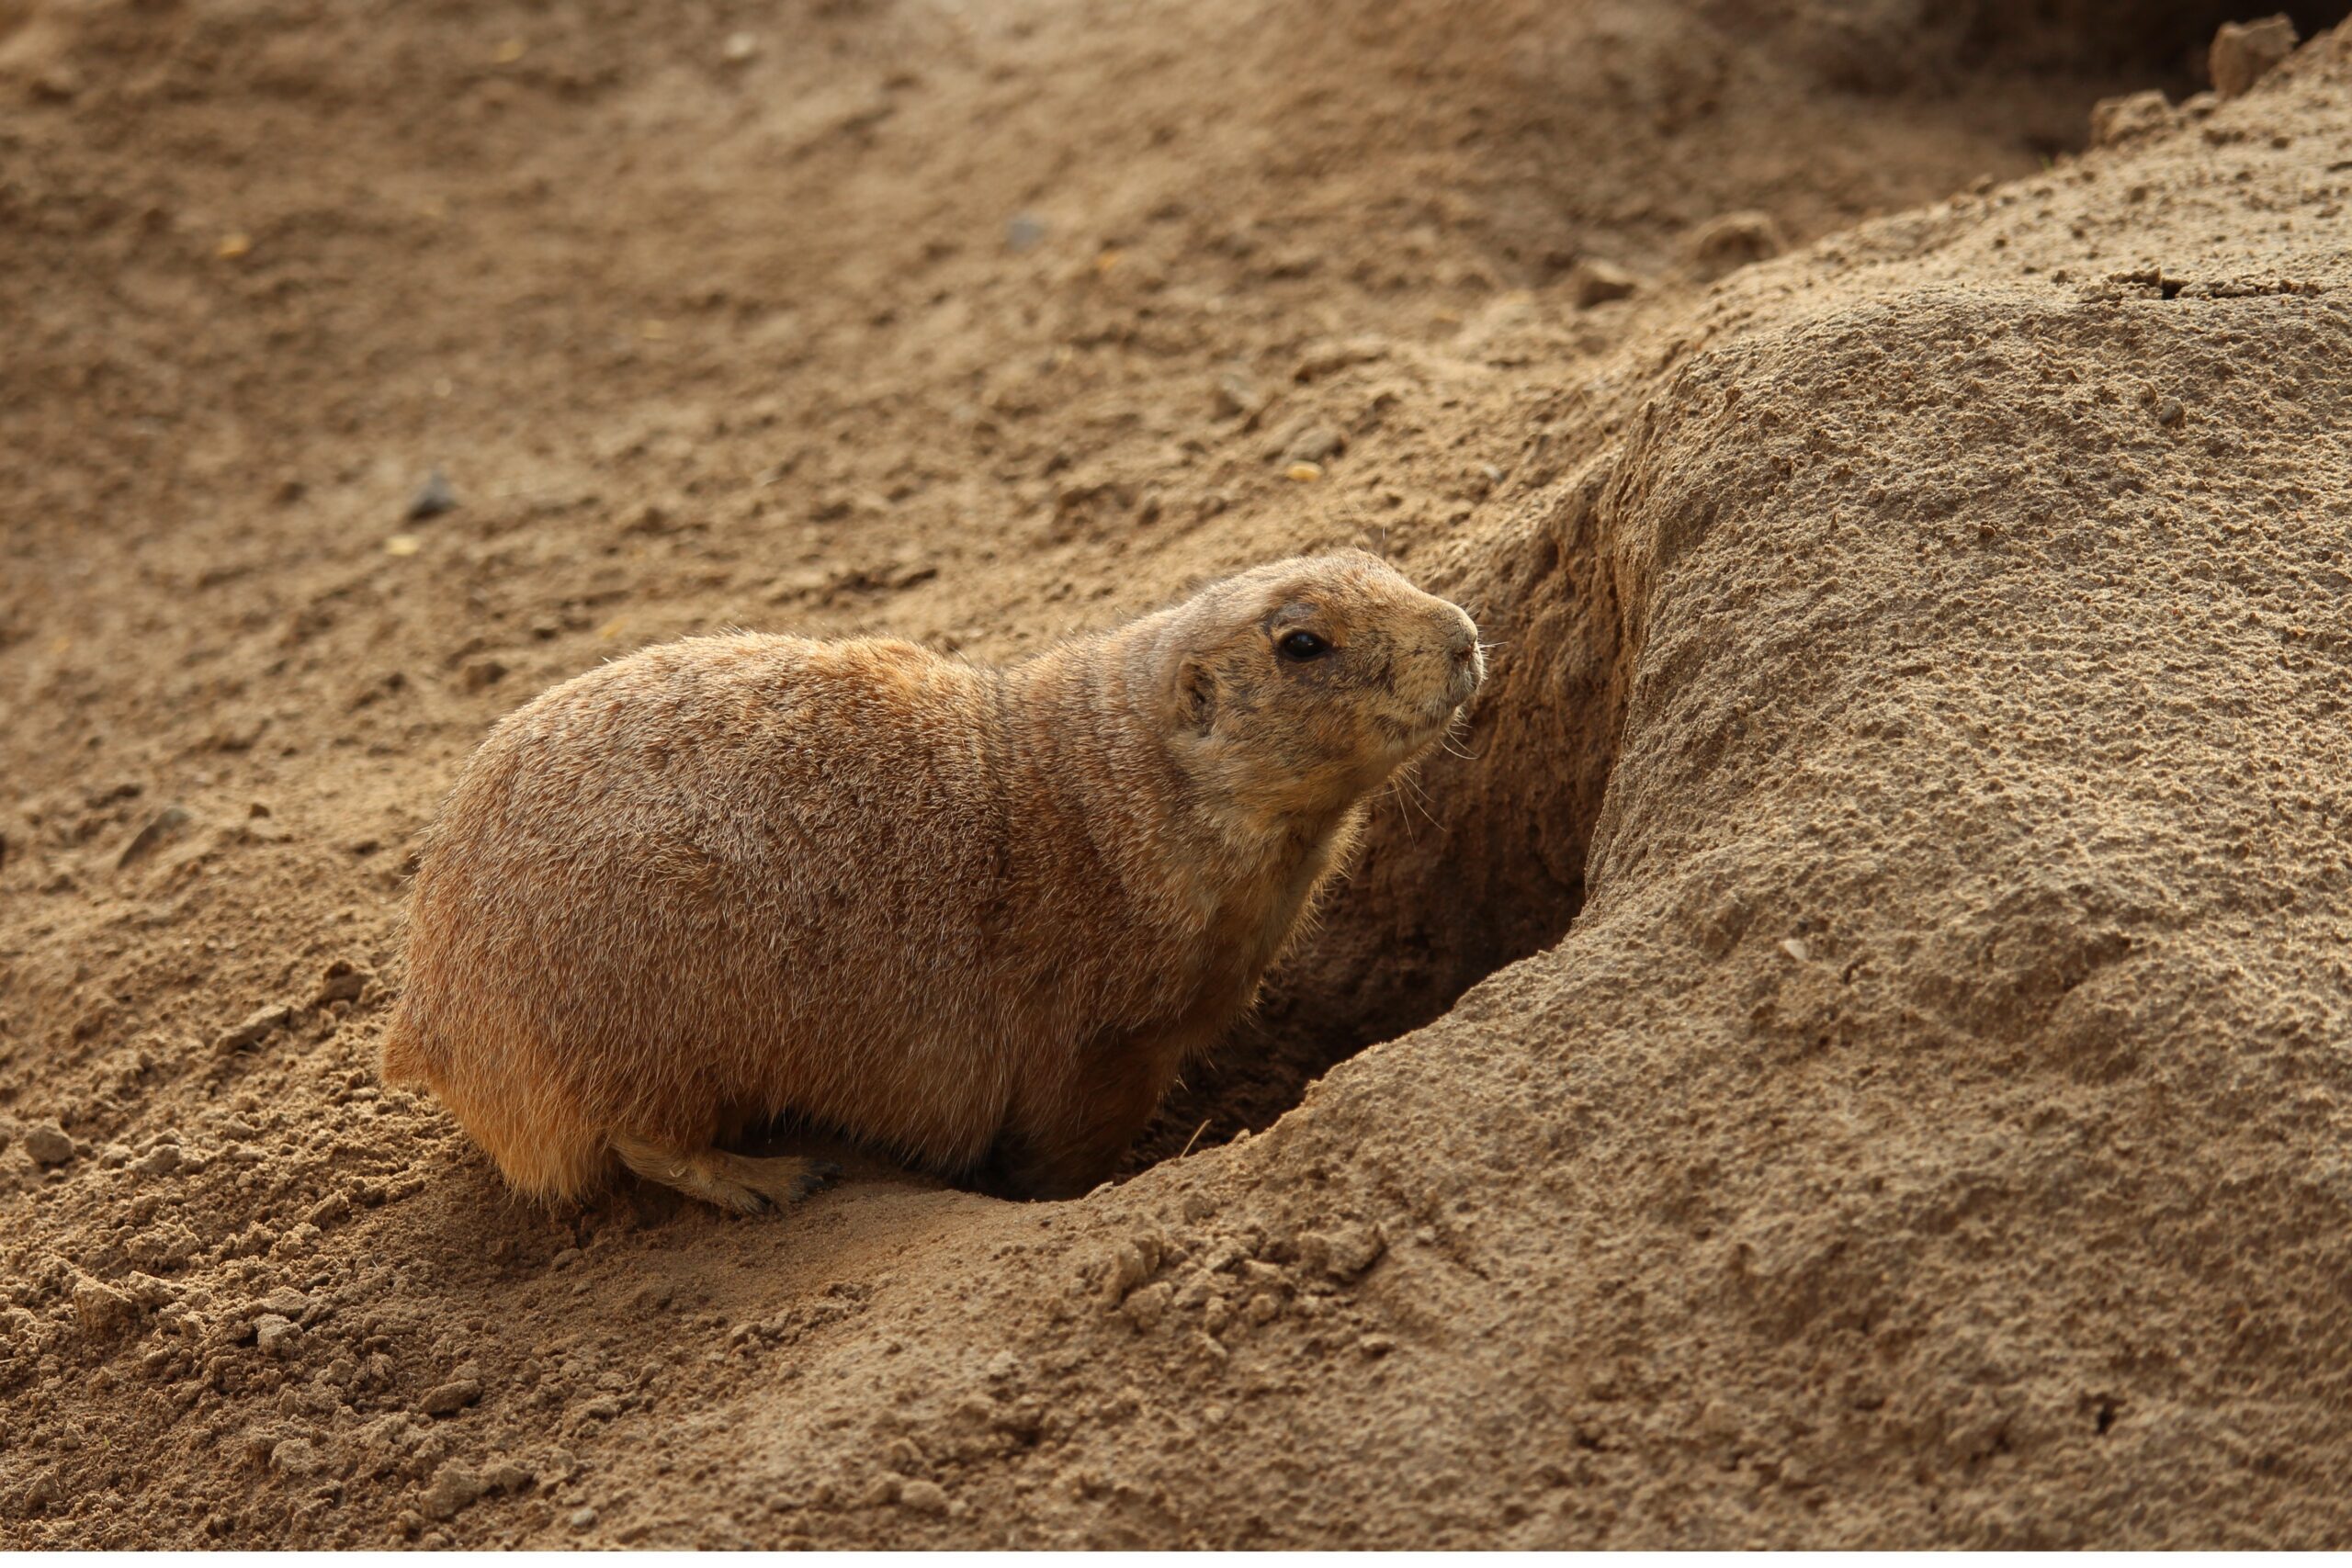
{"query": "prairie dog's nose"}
{"type": "Point", "coordinates": [1462, 646]}
{"type": "Point", "coordinates": [1462, 638]}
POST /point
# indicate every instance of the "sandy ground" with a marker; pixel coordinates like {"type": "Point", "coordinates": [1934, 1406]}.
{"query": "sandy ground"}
{"type": "Point", "coordinates": [1857, 1053]}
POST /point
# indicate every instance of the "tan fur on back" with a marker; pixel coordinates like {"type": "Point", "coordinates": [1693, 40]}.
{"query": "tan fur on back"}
{"type": "Point", "coordinates": [976, 916]}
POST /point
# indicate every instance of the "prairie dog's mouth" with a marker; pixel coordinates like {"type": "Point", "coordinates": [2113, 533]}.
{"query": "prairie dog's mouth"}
{"type": "Point", "coordinates": [1432, 723]}
{"type": "Point", "coordinates": [1437, 716]}
{"type": "Point", "coordinates": [1468, 675]}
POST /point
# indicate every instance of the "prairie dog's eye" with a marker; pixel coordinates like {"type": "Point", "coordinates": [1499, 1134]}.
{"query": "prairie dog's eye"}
{"type": "Point", "coordinates": [1303, 646]}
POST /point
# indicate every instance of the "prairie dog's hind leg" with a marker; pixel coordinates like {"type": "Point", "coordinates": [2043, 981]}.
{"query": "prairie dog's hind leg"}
{"type": "Point", "coordinates": [736, 1182]}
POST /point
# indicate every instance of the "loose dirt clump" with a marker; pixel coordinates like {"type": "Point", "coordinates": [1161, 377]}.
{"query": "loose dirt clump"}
{"type": "Point", "coordinates": [1848, 1050]}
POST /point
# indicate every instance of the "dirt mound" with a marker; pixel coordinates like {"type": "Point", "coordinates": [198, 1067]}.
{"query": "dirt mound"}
{"type": "Point", "coordinates": [1882, 947]}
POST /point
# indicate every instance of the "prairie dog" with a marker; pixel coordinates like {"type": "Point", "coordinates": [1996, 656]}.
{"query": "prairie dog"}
{"type": "Point", "coordinates": [976, 917]}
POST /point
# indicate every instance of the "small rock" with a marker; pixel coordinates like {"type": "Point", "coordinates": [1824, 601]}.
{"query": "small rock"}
{"type": "Point", "coordinates": [1374, 1346]}
{"type": "Point", "coordinates": [257, 1027]}
{"type": "Point", "coordinates": [47, 1144]}
{"type": "Point", "coordinates": [286, 1301]}
{"type": "Point", "coordinates": [1293, 261]}
{"type": "Point", "coordinates": [2170, 412]}
{"type": "Point", "coordinates": [1316, 444]}
{"type": "Point", "coordinates": [1344, 1252]}
{"type": "Point", "coordinates": [274, 1335]}
{"type": "Point", "coordinates": [161, 830]}
{"type": "Point", "coordinates": [297, 1456]}
{"type": "Point", "coordinates": [2127, 119]}
{"type": "Point", "coordinates": [386, 1434]}
{"type": "Point", "coordinates": [582, 1519]}
{"type": "Point", "coordinates": [433, 497]}
{"type": "Point", "coordinates": [166, 1245]}
{"type": "Point", "coordinates": [102, 1310]}
{"type": "Point", "coordinates": [161, 1160]}
{"type": "Point", "coordinates": [451, 1397]}
{"type": "Point", "coordinates": [739, 48]}
{"type": "Point", "coordinates": [1024, 232]}
{"type": "Point", "coordinates": [1594, 283]}
{"type": "Point", "coordinates": [1724, 245]}
{"type": "Point", "coordinates": [1329, 358]}
{"type": "Point", "coordinates": [1147, 1306]}
{"type": "Point", "coordinates": [1024, 1419]}
{"type": "Point", "coordinates": [1237, 397]}
{"type": "Point", "coordinates": [2244, 53]}
{"type": "Point", "coordinates": [1135, 1262]}
{"type": "Point", "coordinates": [508, 1478]}
{"type": "Point", "coordinates": [924, 1496]}
{"type": "Point", "coordinates": [148, 1290]}
{"type": "Point", "coordinates": [1263, 1308]}
{"type": "Point", "coordinates": [342, 982]}
{"type": "Point", "coordinates": [452, 1492]}
{"type": "Point", "coordinates": [58, 82]}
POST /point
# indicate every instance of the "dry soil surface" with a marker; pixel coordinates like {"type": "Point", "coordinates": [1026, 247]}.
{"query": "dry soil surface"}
{"type": "Point", "coordinates": [1856, 1051]}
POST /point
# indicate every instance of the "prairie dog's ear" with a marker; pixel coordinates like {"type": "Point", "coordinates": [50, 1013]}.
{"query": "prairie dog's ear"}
{"type": "Point", "coordinates": [1191, 693]}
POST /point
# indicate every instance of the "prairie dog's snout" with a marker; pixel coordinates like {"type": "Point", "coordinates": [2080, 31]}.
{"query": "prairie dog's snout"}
{"type": "Point", "coordinates": [1456, 637]}
{"type": "Point", "coordinates": [1441, 665]}
{"type": "Point", "coordinates": [1462, 647]}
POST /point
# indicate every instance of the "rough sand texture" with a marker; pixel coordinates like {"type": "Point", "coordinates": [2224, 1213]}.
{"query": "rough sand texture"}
{"type": "Point", "coordinates": [1914, 787]}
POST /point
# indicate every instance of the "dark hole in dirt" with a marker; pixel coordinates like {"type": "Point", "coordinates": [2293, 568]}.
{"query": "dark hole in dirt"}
{"type": "Point", "coordinates": [2136, 43]}
{"type": "Point", "coordinates": [1299, 1031]}
{"type": "Point", "coordinates": [2163, 39]}
{"type": "Point", "coordinates": [2064, 48]}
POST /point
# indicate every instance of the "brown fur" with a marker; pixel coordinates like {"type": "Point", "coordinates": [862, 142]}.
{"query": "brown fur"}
{"type": "Point", "coordinates": [977, 917]}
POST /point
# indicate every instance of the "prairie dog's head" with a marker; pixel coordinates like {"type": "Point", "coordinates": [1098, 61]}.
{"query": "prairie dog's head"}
{"type": "Point", "coordinates": [1297, 687]}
